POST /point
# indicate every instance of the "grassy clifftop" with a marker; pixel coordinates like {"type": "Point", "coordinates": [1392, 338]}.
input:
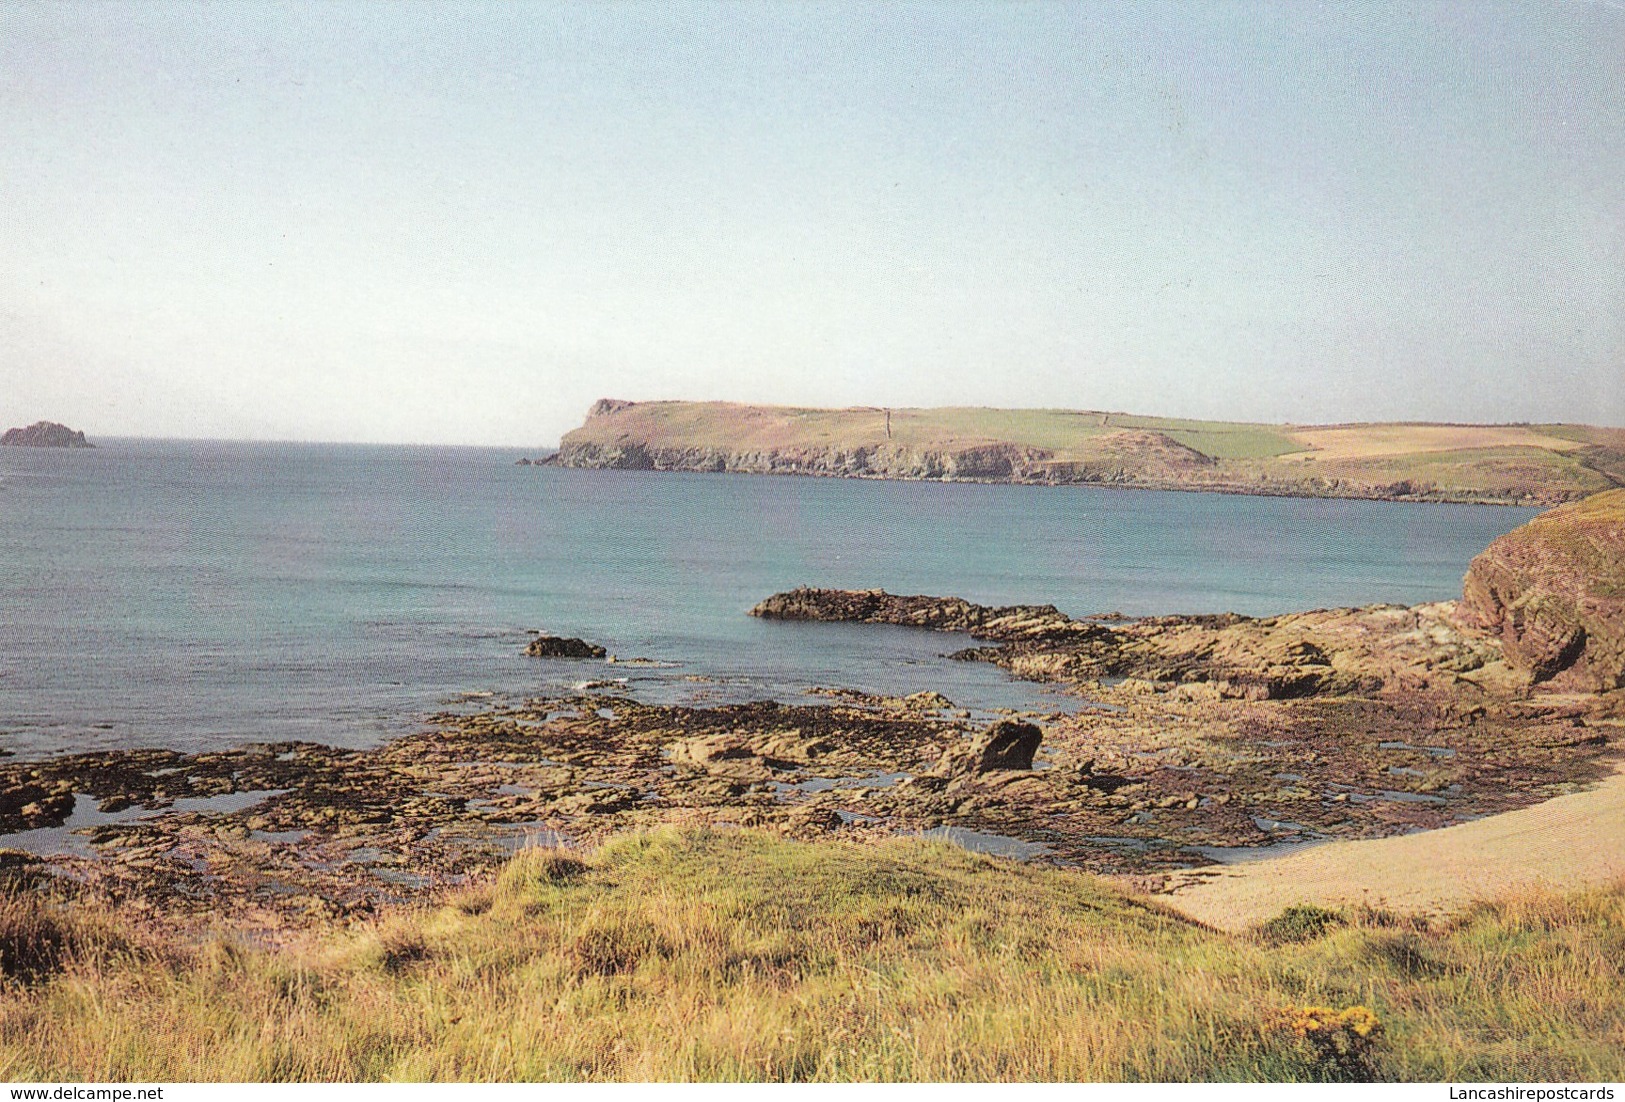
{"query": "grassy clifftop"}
{"type": "Point", "coordinates": [1528, 464]}
{"type": "Point", "coordinates": [739, 955]}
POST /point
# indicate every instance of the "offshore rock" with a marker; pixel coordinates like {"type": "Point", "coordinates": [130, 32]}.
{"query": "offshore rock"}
{"type": "Point", "coordinates": [558, 646]}
{"type": "Point", "coordinates": [45, 434]}
{"type": "Point", "coordinates": [1553, 592]}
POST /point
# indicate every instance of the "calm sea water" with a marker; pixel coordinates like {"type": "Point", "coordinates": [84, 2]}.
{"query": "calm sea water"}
{"type": "Point", "coordinates": [191, 594]}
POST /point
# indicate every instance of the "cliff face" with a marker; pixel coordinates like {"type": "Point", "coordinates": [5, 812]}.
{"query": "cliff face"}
{"type": "Point", "coordinates": [45, 434]}
{"type": "Point", "coordinates": [1504, 464]}
{"type": "Point", "coordinates": [1553, 591]}
{"type": "Point", "coordinates": [992, 462]}
{"type": "Point", "coordinates": [618, 435]}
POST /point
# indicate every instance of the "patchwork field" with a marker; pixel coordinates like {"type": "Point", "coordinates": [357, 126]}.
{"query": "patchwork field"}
{"type": "Point", "coordinates": [1374, 441]}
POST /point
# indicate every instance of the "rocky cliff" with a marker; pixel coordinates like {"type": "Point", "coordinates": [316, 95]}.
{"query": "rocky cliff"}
{"type": "Point", "coordinates": [1553, 591]}
{"type": "Point", "coordinates": [45, 434]}
{"type": "Point", "coordinates": [995, 462]}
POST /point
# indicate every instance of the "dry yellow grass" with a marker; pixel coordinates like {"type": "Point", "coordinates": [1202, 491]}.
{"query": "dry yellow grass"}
{"type": "Point", "coordinates": [740, 956]}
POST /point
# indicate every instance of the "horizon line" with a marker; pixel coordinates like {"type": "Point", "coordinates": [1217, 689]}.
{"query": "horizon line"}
{"type": "Point", "coordinates": [1289, 425]}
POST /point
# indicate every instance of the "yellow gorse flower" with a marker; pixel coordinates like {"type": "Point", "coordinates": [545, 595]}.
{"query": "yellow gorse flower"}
{"type": "Point", "coordinates": [1323, 1021]}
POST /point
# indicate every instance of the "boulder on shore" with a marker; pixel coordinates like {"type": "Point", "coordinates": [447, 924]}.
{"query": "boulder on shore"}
{"type": "Point", "coordinates": [1008, 745]}
{"type": "Point", "coordinates": [1553, 592]}
{"type": "Point", "coordinates": [45, 434]}
{"type": "Point", "coordinates": [559, 646]}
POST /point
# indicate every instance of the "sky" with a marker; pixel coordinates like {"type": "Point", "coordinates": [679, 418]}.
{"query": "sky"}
{"type": "Point", "coordinates": [462, 223]}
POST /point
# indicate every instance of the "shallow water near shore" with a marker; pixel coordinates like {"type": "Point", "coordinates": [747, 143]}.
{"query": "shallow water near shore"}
{"type": "Point", "coordinates": [197, 595]}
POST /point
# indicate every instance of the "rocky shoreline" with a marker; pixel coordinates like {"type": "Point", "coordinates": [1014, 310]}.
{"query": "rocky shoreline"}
{"type": "Point", "coordinates": [1201, 739]}
{"type": "Point", "coordinates": [1159, 776]}
{"type": "Point", "coordinates": [1152, 782]}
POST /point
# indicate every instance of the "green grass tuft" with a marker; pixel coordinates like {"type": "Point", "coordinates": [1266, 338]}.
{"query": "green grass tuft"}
{"type": "Point", "coordinates": [1303, 922]}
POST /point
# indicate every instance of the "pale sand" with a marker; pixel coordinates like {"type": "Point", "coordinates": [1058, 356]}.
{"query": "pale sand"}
{"type": "Point", "coordinates": [1566, 843]}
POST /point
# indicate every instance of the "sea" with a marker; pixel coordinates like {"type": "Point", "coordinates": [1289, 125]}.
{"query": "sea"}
{"type": "Point", "coordinates": [200, 595]}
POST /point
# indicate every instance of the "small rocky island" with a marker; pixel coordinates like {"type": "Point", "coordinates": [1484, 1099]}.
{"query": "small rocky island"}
{"type": "Point", "coordinates": [45, 434]}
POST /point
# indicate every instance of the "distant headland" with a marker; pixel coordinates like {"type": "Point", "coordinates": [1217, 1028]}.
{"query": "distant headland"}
{"type": "Point", "coordinates": [45, 434]}
{"type": "Point", "coordinates": [1507, 464]}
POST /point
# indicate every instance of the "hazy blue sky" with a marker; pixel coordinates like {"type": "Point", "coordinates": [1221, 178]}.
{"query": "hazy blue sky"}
{"type": "Point", "coordinates": [451, 223]}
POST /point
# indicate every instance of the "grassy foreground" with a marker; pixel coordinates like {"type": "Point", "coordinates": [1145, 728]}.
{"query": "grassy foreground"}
{"type": "Point", "coordinates": [739, 955]}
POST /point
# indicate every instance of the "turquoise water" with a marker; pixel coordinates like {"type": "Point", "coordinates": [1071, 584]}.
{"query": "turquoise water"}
{"type": "Point", "coordinates": [189, 594]}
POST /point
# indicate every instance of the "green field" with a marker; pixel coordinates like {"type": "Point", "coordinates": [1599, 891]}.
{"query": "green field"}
{"type": "Point", "coordinates": [740, 955]}
{"type": "Point", "coordinates": [725, 425]}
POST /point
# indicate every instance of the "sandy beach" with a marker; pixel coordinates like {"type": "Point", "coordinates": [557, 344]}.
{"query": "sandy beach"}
{"type": "Point", "coordinates": [1569, 842]}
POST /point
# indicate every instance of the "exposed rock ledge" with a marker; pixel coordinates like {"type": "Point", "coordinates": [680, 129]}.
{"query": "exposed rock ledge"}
{"type": "Point", "coordinates": [1015, 623]}
{"type": "Point", "coordinates": [1553, 591]}
{"type": "Point", "coordinates": [45, 434]}
{"type": "Point", "coordinates": [1204, 657]}
{"type": "Point", "coordinates": [1545, 602]}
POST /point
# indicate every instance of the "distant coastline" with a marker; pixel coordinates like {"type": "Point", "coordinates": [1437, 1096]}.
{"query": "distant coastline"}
{"type": "Point", "coordinates": [1512, 464]}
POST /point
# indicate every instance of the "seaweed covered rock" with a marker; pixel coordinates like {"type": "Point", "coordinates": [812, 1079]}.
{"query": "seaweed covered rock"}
{"type": "Point", "coordinates": [559, 646]}
{"type": "Point", "coordinates": [1553, 592]}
